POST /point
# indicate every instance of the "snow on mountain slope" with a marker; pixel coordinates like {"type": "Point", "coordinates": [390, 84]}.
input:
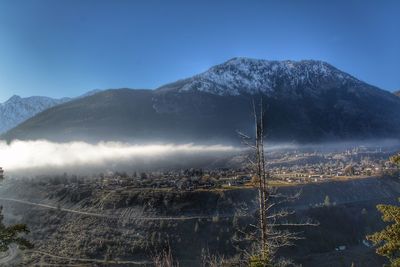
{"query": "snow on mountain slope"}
{"type": "Point", "coordinates": [306, 101]}
{"type": "Point", "coordinates": [249, 76]}
{"type": "Point", "coordinates": [16, 109]}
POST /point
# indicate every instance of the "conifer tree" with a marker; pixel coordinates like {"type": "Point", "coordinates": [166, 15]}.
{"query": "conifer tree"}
{"type": "Point", "coordinates": [388, 240]}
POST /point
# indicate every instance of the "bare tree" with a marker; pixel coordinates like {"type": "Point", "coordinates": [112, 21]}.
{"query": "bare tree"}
{"type": "Point", "coordinates": [271, 232]}
{"type": "Point", "coordinates": [212, 260]}
{"type": "Point", "coordinates": [165, 259]}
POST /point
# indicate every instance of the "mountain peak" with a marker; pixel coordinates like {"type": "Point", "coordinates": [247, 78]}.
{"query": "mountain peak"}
{"type": "Point", "coordinates": [266, 62]}
{"type": "Point", "coordinates": [241, 75]}
{"type": "Point", "coordinates": [305, 100]}
{"type": "Point", "coordinates": [18, 109]}
{"type": "Point", "coordinates": [14, 98]}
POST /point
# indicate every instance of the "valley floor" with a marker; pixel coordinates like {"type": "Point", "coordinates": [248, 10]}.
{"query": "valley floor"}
{"type": "Point", "coordinates": [90, 225]}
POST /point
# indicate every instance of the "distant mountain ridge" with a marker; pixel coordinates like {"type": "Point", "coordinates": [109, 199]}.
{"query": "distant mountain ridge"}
{"type": "Point", "coordinates": [305, 101]}
{"type": "Point", "coordinates": [17, 109]}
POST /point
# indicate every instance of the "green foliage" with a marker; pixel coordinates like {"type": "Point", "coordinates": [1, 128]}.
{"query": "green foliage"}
{"type": "Point", "coordinates": [388, 239]}
{"type": "Point", "coordinates": [395, 159]}
{"type": "Point", "coordinates": [12, 235]}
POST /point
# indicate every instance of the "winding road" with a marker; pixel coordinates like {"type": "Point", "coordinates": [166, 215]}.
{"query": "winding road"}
{"type": "Point", "coordinates": [8, 256]}
{"type": "Point", "coordinates": [142, 218]}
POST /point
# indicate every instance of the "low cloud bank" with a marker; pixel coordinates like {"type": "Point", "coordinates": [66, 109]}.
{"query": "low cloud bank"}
{"type": "Point", "coordinates": [41, 156]}
{"type": "Point", "coordinates": [23, 155]}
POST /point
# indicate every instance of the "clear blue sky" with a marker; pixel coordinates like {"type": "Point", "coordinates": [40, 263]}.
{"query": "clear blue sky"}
{"type": "Point", "coordinates": [64, 48]}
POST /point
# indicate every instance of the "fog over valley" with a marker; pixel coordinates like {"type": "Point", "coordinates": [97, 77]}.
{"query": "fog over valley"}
{"type": "Point", "coordinates": [37, 155]}
{"type": "Point", "coordinates": [77, 157]}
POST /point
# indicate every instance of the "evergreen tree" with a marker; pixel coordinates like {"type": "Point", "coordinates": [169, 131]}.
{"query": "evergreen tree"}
{"type": "Point", "coordinates": [388, 239]}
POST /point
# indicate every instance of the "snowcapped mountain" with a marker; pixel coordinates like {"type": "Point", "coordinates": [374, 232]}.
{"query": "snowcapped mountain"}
{"type": "Point", "coordinates": [305, 101]}
{"type": "Point", "coordinates": [17, 109]}
{"type": "Point", "coordinates": [250, 76]}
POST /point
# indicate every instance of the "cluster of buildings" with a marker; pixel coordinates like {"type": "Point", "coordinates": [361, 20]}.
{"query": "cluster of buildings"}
{"type": "Point", "coordinates": [189, 179]}
{"type": "Point", "coordinates": [315, 166]}
{"type": "Point", "coordinates": [287, 167]}
{"type": "Point", "coordinates": [290, 166]}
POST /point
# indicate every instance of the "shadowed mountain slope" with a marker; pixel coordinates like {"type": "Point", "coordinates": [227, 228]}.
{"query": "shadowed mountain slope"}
{"type": "Point", "coordinates": [305, 101]}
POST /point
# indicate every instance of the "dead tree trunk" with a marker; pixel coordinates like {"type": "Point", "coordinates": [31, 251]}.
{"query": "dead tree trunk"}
{"type": "Point", "coordinates": [260, 182]}
{"type": "Point", "coordinates": [262, 176]}
{"type": "Point", "coordinates": [269, 235]}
